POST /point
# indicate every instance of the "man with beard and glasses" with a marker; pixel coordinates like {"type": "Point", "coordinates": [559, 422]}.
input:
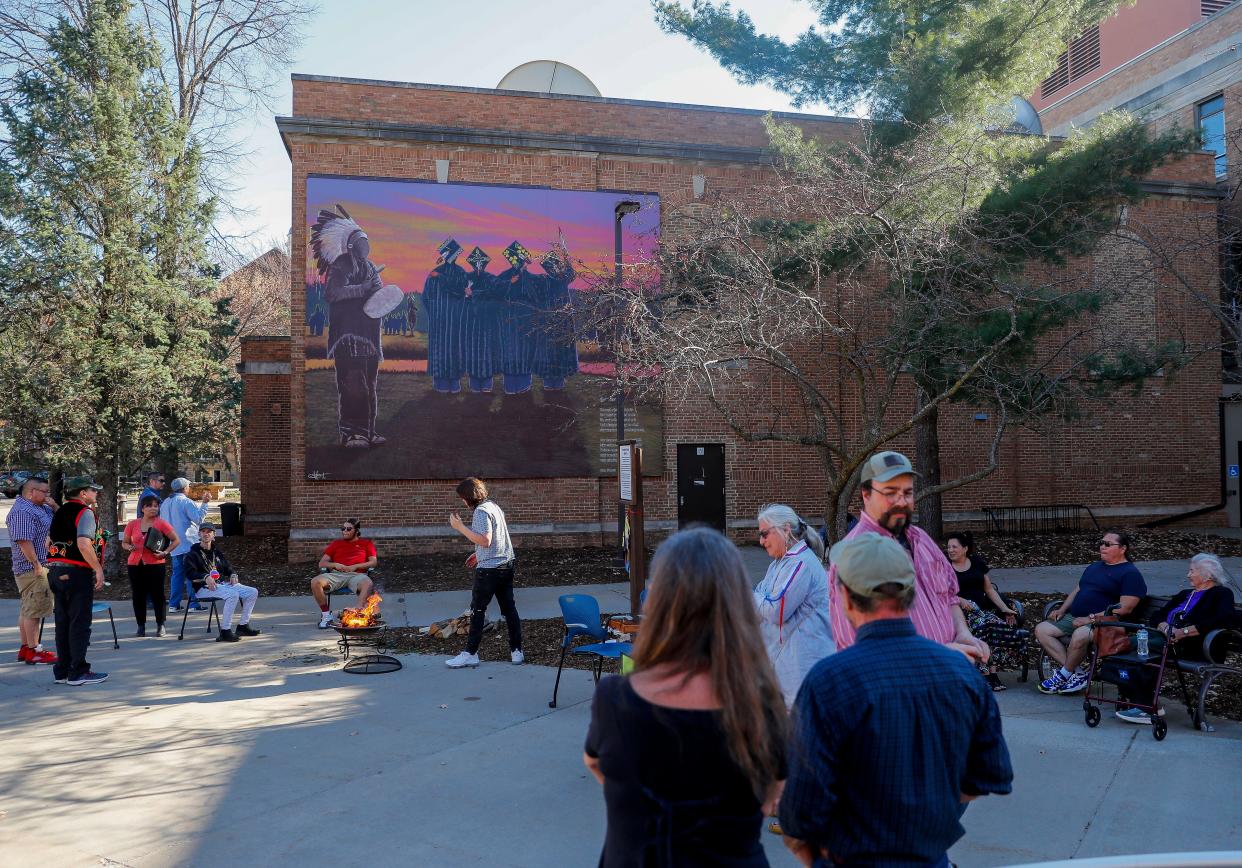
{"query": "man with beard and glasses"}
{"type": "Point", "coordinates": [887, 482]}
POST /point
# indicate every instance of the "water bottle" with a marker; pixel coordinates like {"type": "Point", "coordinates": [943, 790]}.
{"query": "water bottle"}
{"type": "Point", "coordinates": [1141, 638]}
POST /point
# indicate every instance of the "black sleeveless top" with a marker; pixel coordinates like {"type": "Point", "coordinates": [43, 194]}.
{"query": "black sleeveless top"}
{"type": "Point", "coordinates": [970, 583]}
{"type": "Point", "coordinates": [674, 795]}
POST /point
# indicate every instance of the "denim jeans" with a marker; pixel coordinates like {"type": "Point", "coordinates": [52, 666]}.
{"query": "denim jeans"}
{"type": "Point", "coordinates": [493, 582]}
{"type": "Point", "coordinates": [73, 590]}
{"type": "Point", "coordinates": [177, 585]}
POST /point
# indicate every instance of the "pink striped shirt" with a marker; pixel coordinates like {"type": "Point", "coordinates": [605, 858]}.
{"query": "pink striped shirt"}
{"type": "Point", "coordinates": [935, 586]}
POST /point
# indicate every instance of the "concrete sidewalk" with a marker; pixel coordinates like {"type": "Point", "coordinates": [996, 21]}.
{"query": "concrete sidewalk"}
{"type": "Point", "coordinates": [264, 752]}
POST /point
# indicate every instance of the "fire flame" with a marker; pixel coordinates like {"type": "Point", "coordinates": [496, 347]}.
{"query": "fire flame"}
{"type": "Point", "coordinates": [364, 617]}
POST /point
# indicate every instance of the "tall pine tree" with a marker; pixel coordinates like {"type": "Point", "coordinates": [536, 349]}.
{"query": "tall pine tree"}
{"type": "Point", "coordinates": [106, 333]}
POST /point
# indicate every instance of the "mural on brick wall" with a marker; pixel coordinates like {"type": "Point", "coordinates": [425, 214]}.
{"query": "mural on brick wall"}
{"type": "Point", "coordinates": [438, 330]}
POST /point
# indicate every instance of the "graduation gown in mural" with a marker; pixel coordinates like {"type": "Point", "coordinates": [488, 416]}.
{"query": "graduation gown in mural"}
{"type": "Point", "coordinates": [444, 297]}
{"type": "Point", "coordinates": [519, 290]}
{"type": "Point", "coordinates": [556, 353]}
{"type": "Point", "coordinates": [483, 312]}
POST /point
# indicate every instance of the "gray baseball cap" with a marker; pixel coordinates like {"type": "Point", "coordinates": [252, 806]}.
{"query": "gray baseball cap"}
{"type": "Point", "coordinates": [870, 560]}
{"type": "Point", "coordinates": [884, 466]}
{"type": "Point", "coordinates": [180, 484]}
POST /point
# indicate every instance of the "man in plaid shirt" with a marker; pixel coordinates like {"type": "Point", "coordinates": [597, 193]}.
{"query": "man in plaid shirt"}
{"type": "Point", "coordinates": [28, 523]}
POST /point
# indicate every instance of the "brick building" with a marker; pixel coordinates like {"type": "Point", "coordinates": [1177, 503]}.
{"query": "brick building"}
{"type": "Point", "coordinates": [1139, 458]}
{"type": "Point", "coordinates": [1171, 63]}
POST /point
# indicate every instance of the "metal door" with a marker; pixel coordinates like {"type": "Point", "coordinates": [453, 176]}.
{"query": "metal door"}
{"type": "Point", "coordinates": [701, 484]}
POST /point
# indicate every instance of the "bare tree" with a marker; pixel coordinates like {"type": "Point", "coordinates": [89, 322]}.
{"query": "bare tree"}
{"type": "Point", "coordinates": [845, 302]}
{"type": "Point", "coordinates": [257, 292]}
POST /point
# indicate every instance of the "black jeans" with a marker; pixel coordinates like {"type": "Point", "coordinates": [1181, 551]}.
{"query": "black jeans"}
{"type": "Point", "coordinates": [73, 590]}
{"type": "Point", "coordinates": [147, 580]}
{"type": "Point", "coordinates": [493, 582]}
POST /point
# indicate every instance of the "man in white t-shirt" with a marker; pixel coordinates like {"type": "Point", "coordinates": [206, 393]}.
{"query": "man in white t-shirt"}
{"type": "Point", "coordinates": [493, 571]}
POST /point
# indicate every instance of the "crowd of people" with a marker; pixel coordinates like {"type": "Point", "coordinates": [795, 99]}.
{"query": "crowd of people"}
{"type": "Point", "coordinates": [853, 703]}
{"type": "Point", "coordinates": [58, 561]}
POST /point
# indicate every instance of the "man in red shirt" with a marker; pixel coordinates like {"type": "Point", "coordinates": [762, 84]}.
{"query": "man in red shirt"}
{"type": "Point", "coordinates": [345, 562]}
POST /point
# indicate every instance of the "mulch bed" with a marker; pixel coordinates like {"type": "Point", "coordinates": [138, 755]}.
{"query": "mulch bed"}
{"type": "Point", "coordinates": [1041, 550]}
{"type": "Point", "coordinates": [541, 644]}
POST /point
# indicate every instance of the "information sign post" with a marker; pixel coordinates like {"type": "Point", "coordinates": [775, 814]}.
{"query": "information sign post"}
{"type": "Point", "coordinates": [630, 485]}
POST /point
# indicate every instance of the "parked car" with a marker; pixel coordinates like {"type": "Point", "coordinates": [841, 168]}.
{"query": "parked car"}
{"type": "Point", "coordinates": [11, 483]}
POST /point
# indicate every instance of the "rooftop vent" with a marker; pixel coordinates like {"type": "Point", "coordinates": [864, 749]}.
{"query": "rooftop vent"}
{"type": "Point", "coordinates": [1082, 57]}
{"type": "Point", "coordinates": [1211, 7]}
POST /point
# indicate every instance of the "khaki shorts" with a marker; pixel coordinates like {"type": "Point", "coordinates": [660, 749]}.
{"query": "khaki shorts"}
{"type": "Point", "coordinates": [36, 595]}
{"type": "Point", "coordinates": [336, 581]}
{"type": "Point", "coordinates": [1065, 624]}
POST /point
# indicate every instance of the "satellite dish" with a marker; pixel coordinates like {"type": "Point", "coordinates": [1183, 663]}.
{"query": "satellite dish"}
{"type": "Point", "coordinates": [1025, 117]}
{"type": "Point", "coordinates": [548, 76]}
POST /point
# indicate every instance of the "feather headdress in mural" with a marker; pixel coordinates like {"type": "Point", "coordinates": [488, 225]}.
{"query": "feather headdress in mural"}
{"type": "Point", "coordinates": [330, 236]}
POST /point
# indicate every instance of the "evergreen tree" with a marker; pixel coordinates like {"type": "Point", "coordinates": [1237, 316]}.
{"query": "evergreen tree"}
{"type": "Point", "coordinates": [106, 332]}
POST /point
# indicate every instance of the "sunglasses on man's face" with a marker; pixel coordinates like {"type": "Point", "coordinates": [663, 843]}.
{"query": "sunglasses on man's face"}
{"type": "Point", "coordinates": [346, 528]}
{"type": "Point", "coordinates": [1105, 544]}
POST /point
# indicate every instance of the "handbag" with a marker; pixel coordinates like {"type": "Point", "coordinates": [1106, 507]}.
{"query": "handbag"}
{"type": "Point", "coordinates": [155, 541]}
{"type": "Point", "coordinates": [1111, 640]}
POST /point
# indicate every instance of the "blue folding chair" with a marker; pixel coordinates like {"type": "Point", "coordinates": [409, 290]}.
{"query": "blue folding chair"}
{"type": "Point", "coordinates": [582, 618]}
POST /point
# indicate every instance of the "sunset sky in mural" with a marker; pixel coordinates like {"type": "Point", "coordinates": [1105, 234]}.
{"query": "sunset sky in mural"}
{"type": "Point", "coordinates": [406, 221]}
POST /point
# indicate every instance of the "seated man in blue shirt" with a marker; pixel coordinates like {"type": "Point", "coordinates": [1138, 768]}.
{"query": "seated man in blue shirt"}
{"type": "Point", "coordinates": [892, 735]}
{"type": "Point", "coordinates": [1112, 580]}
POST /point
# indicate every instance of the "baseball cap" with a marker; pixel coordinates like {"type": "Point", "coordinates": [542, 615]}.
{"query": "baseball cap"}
{"type": "Point", "coordinates": [206, 526]}
{"type": "Point", "coordinates": [884, 466]}
{"type": "Point", "coordinates": [180, 484]}
{"type": "Point", "coordinates": [77, 483]}
{"type": "Point", "coordinates": [870, 560]}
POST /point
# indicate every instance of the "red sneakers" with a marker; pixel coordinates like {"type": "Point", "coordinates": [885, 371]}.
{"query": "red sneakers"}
{"type": "Point", "coordinates": [35, 656]}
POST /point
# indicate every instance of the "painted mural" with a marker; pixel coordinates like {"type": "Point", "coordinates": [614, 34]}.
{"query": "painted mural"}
{"type": "Point", "coordinates": [440, 333]}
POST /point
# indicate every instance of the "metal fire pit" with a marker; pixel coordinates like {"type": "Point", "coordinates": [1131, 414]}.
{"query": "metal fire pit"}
{"type": "Point", "coordinates": [352, 638]}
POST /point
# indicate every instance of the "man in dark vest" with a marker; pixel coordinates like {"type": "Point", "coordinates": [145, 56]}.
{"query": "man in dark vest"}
{"type": "Point", "coordinates": [75, 573]}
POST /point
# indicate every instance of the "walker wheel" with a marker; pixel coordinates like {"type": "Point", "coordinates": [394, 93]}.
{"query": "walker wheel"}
{"type": "Point", "coordinates": [1093, 716]}
{"type": "Point", "coordinates": [1159, 729]}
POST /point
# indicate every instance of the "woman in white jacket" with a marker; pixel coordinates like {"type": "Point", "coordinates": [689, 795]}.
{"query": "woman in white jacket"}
{"type": "Point", "coordinates": [792, 599]}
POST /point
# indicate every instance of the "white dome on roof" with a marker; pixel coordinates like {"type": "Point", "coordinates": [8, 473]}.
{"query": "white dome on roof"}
{"type": "Point", "coordinates": [548, 76]}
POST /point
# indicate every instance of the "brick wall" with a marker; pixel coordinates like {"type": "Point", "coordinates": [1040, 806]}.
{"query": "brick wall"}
{"type": "Point", "coordinates": [265, 434]}
{"type": "Point", "coordinates": [1136, 454]}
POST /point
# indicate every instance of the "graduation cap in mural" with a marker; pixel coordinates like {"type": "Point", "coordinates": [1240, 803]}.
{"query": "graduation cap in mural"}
{"type": "Point", "coordinates": [478, 258]}
{"type": "Point", "coordinates": [556, 261]}
{"type": "Point", "coordinates": [449, 250]}
{"type": "Point", "coordinates": [517, 254]}
{"type": "Point", "coordinates": [330, 236]}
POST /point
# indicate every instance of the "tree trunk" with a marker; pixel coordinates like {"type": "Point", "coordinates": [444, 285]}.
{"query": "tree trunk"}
{"type": "Point", "coordinates": [106, 516]}
{"type": "Point", "coordinates": [927, 463]}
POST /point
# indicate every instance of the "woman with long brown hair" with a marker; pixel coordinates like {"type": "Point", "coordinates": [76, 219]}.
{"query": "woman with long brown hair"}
{"type": "Point", "coordinates": [690, 748]}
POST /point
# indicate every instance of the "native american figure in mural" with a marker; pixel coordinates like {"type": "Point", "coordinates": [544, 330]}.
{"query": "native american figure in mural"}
{"type": "Point", "coordinates": [482, 322]}
{"type": "Point", "coordinates": [556, 353]}
{"type": "Point", "coordinates": [357, 300]}
{"type": "Point", "coordinates": [444, 298]}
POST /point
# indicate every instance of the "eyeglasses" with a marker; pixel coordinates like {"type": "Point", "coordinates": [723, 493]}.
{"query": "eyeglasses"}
{"type": "Point", "coordinates": [763, 534]}
{"type": "Point", "coordinates": [894, 496]}
{"type": "Point", "coordinates": [1105, 544]}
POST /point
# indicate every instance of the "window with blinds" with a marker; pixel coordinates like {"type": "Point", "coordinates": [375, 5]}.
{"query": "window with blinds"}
{"type": "Point", "coordinates": [1082, 57]}
{"type": "Point", "coordinates": [1211, 7]}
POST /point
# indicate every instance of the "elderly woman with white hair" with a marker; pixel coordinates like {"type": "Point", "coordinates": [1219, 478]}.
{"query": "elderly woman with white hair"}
{"type": "Point", "coordinates": [1193, 612]}
{"type": "Point", "coordinates": [792, 598]}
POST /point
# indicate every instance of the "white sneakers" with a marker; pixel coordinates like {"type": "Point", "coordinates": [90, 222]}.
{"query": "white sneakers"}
{"type": "Point", "coordinates": [326, 621]}
{"type": "Point", "coordinates": [517, 657]}
{"type": "Point", "coordinates": [462, 660]}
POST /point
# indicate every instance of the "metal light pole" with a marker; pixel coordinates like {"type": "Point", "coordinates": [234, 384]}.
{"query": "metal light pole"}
{"type": "Point", "coordinates": [619, 212]}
